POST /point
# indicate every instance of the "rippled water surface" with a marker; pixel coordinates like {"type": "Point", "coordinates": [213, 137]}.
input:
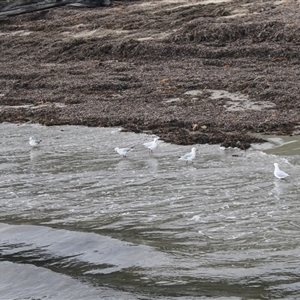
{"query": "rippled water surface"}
{"type": "Point", "coordinates": [78, 217]}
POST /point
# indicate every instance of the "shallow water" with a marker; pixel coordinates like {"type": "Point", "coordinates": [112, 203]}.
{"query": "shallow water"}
{"type": "Point", "coordinates": [78, 217]}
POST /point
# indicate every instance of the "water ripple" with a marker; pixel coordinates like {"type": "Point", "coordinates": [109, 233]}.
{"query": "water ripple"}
{"type": "Point", "coordinates": [223, 219]}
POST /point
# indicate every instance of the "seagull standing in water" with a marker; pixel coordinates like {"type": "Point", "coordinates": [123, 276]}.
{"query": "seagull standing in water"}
{"type": "Point", "coordinates": [278, 173]}
{"type": "Point", "coordinates": [151, 145]}
{"type": "Point", "coordinates": [33, 142]}
{"type": "Point", "coordinates": [189, 156]}
{"type": "Point", "coordinates": [123, 151]}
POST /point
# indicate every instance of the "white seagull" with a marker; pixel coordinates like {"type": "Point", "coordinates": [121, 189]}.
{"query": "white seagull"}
{"type": "Point", "coordinates": [189, 156]}
{"type": "Point", "coordinates": [123, 151]}
{"type": "Point", "coordinates": [278, 173]}
{"type": "Point", "coordinates": [151, 145]}
{"type": "Point", "coordinates": [33, 142]}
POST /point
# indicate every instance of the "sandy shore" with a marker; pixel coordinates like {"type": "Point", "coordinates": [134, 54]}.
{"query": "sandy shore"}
{"type": "Point", "coordinates": [189, 71]}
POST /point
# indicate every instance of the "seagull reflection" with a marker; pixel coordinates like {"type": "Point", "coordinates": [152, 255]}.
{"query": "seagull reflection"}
{"type": "Point", "coordinates": [123, 164]}
{"type": "Point", "coordinates": [279, 188]}
{"type": "Point", "coordinates": [34, 154]}
{"type": "Point", "coordinates": [152, 163]}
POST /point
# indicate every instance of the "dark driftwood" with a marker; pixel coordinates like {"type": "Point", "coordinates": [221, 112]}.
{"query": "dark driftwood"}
{"type": "Point", "coordinates": [16, 7]}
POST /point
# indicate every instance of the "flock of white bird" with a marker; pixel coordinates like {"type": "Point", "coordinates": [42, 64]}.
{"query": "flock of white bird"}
{"type": "Point", "coordinates": [153, 145]}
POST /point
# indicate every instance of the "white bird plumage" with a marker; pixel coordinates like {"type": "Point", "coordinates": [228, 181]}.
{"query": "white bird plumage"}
{"type": "Point", "coordinates": [278, 173]}
{"type": "Point", "coordinates": [33, 142]}
{"type": "Point", "coordinates": [189, 156]}
{"type": "Point", "coordinates": [123, 151]}
{"type": "Point", "coordinates": [151, 145]}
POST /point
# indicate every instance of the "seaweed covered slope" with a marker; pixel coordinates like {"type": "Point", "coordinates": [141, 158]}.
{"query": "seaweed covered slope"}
{"type": "Point", "coordinates": [190, 71]}
{"type": "Point", "coordinates": [16, 7]}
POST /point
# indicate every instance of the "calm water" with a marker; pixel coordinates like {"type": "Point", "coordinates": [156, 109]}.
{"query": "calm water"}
{"type": "Point", "coordinates": [77, 221]}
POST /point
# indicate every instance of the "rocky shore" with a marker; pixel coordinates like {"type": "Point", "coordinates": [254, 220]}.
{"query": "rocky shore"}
{"type": "Point", "coordinates": [189, 71]}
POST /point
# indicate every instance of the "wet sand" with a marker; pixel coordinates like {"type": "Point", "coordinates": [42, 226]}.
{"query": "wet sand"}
{"type": "Point", "coordinates": [188, 71]}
